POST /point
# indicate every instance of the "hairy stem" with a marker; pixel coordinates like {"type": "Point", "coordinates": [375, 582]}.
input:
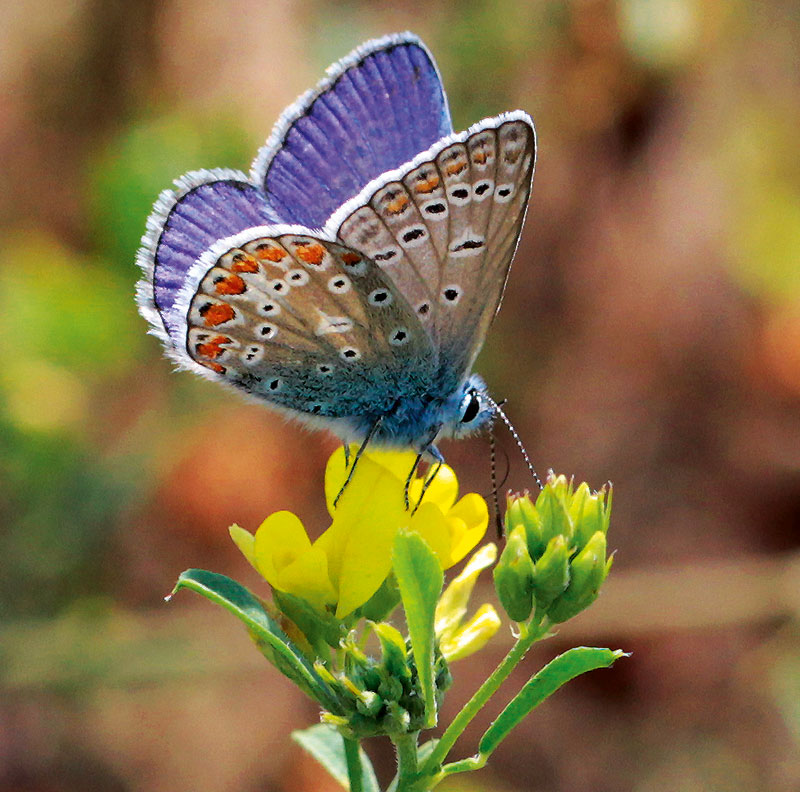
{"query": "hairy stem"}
{"type": "Point", "coordinates": [353, 758]}
{"type": "Point", "coordinates": [529, 634]}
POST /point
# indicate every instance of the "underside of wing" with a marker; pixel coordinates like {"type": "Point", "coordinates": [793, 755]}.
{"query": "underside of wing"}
{"type": "Point", "coordinates": [375, 109]}
{"type": "Point", "coordinates": [203, 207]}
{"type": "Point", "coordinates": [445, 226]}
{"type": "Point", "coordinates": [304, 323]}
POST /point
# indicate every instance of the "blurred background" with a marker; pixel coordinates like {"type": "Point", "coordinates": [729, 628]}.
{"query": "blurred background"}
{"type": "Point", "coordinates": [650, 335]}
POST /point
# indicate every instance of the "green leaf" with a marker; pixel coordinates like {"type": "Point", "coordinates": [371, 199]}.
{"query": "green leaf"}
{"type": "Point", "coordinates": [264, 630]}
{"type": "Point", "coordinates": [420, 579]}
{"type": "Point", "coordinates": [322, 630]}
{"type": "Point", "coordinates": [381, 604]}
{"type": "Point", "coordinates": [556, 673]}
{"type": "Point", "coordinates": [326, 745]}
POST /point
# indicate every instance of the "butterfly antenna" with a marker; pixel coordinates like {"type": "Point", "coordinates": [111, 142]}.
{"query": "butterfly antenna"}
{"type": "Point", "coordinates": [499, 411]}
{"type": "Point", "coordinates": [493, 458]}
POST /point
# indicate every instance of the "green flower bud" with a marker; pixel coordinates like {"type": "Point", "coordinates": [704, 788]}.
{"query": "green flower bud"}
{"type": "Point", "coordinates": [551, 572]}
{"type": "Point", "coordinates": [369, 703]}
{"type": "Point", "coordinates": [513, 574]}
{"type": "Point", "coordinates": [521, 512]}
{"type": "Point", "coordinates": [551, 506]}
{"type": "Point", "coordinates": [589, 569]}
{"type": "Point", "coordinates": [590, 512]}
{"type": "Point", "coordinates": [393, 649]}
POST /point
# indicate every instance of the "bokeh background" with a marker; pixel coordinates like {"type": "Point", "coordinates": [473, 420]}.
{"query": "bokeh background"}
{"type": "Point", "coordinates": [650, 335]}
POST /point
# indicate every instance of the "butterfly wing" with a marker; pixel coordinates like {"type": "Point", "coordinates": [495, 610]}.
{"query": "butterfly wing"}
{"type": "Point", "coordinates": [445, 227]}
{"type": "Point", "coordinates": [185, 222]}
{"type": "Point", "coordinates": [301, 322]}
{"type": "Point", "coordinates": [376, 109]}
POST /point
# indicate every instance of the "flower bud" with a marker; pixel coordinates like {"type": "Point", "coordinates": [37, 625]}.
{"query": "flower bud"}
{"type": "Point", "coordinates": [521, 512]}
{"type": "Point", "coordinates": [565, 531]}
{"type": "Point", "coordinates": [551, 573]}
{"type": "Point", "coordinates": [590, 512]}
{"type": "Point", "coordinates": [588, 569]}
{"type": "Point", "coordinates": [513, 574]}
{"type": "Point", "coordinates": [551, 506]}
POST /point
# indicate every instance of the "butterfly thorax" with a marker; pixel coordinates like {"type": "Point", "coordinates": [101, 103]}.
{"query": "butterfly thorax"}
{"type": "Point", "coordinates": [416, 420]}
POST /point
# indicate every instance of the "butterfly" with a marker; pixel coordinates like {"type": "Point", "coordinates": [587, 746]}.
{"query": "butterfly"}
{"type": "Point", "coordinates": [350, 279]}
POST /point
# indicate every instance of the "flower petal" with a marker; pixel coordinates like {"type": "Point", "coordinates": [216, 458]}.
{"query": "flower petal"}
{"type": "Point", "coordinates": [468, 520]}
{"type": "Point", "coordinates": [245, 541]}
{"type": "Point", "coordinates": [442, 491]}
{"type": "Point", "coordinates": [473, 635]}
{"type": "Point", "coordinates": [359, 544]}
{"type": "Point", "coordinates": [398, 463]}
{"type": "Point", "coordinates": [307, 577]}
{"type": "Point", "coordinates": [429, 522]}
{"type": "Point", "coordinates": [454, 600]}
{"type": "Point", "coordinates": [279, 540]}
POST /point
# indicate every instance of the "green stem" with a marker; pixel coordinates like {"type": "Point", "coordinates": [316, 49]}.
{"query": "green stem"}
{"type": "Point", "coordinates": [353, 759]}
{"type": "Point", "coordinates": [529, 634]}
{"type": "Point", "coordinates": [406, 745]}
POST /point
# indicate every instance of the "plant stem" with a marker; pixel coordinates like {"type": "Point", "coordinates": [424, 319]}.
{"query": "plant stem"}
{"type": "Point", "coordinates": [406, 745]}
{"type": "Point", "coordinates": [353, 758]}
{"type": "Point", "coordinates": [529, 634]}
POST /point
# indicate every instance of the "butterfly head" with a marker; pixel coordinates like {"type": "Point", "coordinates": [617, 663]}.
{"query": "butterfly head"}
{"type": "Point", "coordinates": [475, 408]}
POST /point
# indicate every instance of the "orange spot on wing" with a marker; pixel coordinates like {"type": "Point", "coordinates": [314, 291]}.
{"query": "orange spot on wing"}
{"type": "Point", "coordinates": [213, 348]}
{"type": "Point", "coordinates": [479, 157]}
{"type": "Point", "coordinates": [427, 185]}
{"type": "Point", "coordinates": [217, 313]}
{"type": "Point", "coordinates": [351, 258]}
{"type": "Point", "coordinates": [270, 252]}
{"type": "Point", "coordinates": [311, 253]}
{"type": "Point", "coordinates": [218, 367]}
{"type": "Point", "coordinates": [455, 168]}
{"type": "Point", "coordinates": [398, 205]}
{"type": "Point", "coordinates": [232, 284]}
{"type": "Point", "coordinates": [243, 263]}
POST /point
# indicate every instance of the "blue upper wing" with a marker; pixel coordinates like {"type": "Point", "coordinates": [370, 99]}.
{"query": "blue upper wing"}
{"type": "Point", "coordinates": [204, 207]}
{"type": "Point", "coordinates": [376, 109]}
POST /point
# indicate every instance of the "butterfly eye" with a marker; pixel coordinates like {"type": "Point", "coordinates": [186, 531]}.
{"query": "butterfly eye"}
{"type": "Point", "coordinates": [472, 409]}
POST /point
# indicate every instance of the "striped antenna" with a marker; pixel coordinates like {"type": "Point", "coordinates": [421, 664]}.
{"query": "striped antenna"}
{"type": "Point", "coordinates": [498, 410]}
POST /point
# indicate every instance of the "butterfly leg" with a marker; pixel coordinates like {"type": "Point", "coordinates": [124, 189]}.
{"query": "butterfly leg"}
{"type": "Point", "coordinates": [410, 478]}
{"type": "Point", "coordinates": [429, 448]}
{"type": "Point", "coordinates": [346, 455]}
{"type": "Point", "coordinates": [439, 460]}
{"type": "Point", "coordinates": [372, 432]}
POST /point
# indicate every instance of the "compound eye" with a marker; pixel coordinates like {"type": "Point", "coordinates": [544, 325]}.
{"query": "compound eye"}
{"type": "Point", "coordinates": [473, 408]}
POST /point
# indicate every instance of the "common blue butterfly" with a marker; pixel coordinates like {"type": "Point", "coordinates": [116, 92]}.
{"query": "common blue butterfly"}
{"type": "Point", "coordinates": [350, 280]}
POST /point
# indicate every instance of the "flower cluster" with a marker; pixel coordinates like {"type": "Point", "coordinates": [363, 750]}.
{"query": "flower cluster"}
{"type": "Point", "coordinates": [326, 626]}
{"type": "Point", "coordinates": [350, 561]}
{"type": "Point", "coordinates": [554, 561]}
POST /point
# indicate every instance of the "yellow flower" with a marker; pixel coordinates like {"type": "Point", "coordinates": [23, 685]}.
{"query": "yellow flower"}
{"type": "Point", "coordinates": [350, 561]}
{"type": "Point", "coordinates": [456, 639]}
